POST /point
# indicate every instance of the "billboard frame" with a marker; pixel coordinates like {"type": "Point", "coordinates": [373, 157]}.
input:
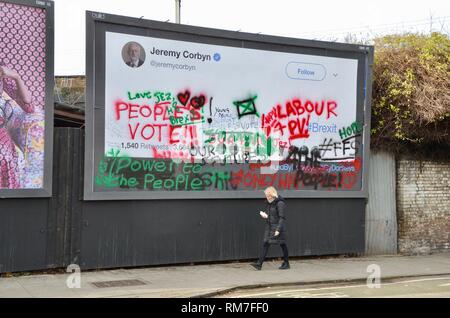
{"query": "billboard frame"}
{"type": "Point", "coordinates": [46, 190]}
{"type": "Point", "coordinates": [92, 18]}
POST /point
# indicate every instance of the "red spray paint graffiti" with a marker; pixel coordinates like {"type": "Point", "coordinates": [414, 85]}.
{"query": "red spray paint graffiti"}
{"type": "Point", "coordinates": [293, 118]}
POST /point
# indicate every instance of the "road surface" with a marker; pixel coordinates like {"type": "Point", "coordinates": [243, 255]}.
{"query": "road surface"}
{"type": "Point", "coordinates": [436, 287]}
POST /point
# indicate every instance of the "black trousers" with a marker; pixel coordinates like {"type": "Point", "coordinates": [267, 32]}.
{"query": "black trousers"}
{"type": "Point", "coordinates": [265, 249]}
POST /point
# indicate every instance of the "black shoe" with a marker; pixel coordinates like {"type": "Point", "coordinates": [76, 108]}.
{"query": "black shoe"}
{"type": "Point", "coordinates": [285, 265]}
{"type": "Point", "coordinates": [256, 265]}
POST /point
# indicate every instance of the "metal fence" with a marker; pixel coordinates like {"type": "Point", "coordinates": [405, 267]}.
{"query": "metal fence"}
{"type": "Point", "coordinates": [44, 233]}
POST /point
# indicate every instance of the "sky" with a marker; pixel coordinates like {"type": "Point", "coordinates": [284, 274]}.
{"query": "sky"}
{"type": "Point", "coordinates": [327, 20]}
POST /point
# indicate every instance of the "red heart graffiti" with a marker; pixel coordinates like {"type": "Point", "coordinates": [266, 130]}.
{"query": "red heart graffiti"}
{"type": "Point", "coordinates": [184, 98]}
{"type": "Point", "coordinates": [198, 102]}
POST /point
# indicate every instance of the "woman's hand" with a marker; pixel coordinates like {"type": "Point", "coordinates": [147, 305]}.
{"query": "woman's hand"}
{"type": "Point", "coordinates": [9, 73]}
{"type": "Point", "coordinates": [263, 214]}
{"type": "Point", "coordinates": [22, 95]}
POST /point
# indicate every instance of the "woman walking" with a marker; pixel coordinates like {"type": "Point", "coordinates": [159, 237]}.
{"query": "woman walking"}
{"type": "Point", "coordinates": [275, 232]}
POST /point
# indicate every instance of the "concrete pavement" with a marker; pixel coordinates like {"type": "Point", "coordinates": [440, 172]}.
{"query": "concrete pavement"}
{"type": "Point", "coordinates": [210, 280]}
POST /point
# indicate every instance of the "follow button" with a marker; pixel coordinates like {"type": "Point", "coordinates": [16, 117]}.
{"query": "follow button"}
{"type": "Point", "coordinates": [306, 71]}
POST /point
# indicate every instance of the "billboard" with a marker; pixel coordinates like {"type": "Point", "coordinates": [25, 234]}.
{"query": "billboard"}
{"type": "Point", "coordinates": [186, 112]}
{"type": "Point", "coordinates": [26, 103]}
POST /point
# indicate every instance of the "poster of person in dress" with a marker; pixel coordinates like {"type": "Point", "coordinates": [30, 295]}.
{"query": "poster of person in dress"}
{"type": "Point", "coordinates": [22, 95]}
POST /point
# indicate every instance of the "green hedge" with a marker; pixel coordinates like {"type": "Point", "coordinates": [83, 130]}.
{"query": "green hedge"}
{"type": "Point", "coordinates": [411, 94]}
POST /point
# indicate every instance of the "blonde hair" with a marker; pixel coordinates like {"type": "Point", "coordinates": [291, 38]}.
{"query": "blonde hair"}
{"type": "Point", "coordinates": [271, 191]}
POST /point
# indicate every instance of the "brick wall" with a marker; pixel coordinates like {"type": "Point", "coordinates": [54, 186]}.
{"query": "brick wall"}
{"type": "Point", "coordinates": [423, 206]}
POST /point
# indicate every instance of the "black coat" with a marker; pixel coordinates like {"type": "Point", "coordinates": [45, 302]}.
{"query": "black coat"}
{"type": "Point", "coordinates": [276, 221]}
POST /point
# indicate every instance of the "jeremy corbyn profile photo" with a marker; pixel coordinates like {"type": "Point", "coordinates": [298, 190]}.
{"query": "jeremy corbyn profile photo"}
{"type": "Point", "coordinates": [133, 54]}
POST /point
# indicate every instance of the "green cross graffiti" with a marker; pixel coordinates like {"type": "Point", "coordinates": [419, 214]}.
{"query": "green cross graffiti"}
{"type": "Point", "coordinates": [246, 107]}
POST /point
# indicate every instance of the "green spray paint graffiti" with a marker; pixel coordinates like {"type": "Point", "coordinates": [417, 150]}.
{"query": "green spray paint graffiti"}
{"type": "Point", "coordinates": [118, 170]}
